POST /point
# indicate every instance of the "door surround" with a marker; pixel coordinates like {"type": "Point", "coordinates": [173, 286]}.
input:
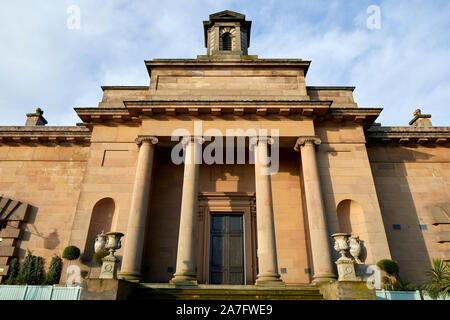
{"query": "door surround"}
{"type": "Point", "coordinates": [242, 203]}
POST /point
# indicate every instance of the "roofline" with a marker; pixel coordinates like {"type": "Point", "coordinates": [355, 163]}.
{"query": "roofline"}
{"type": "Point", "coordinates": [104, 88]}
{"type": "Point", "coordinates": [403, 135]}
{"type": "Point", "coordinates": [345, 88]}
{"type": "Point", "coordinates": [286, 63]}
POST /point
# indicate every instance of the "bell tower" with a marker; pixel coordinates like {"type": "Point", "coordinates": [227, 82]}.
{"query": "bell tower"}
{"type": "Point", "coordinates": [227, 35]}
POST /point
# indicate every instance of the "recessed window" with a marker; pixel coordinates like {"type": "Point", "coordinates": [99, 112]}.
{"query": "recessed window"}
{"type": "Point", "coordinates": [397, 227]}
{"type": "Point", "coordinates": [283, 270]}
{"type": "Point", "coordinates": [308, 270]}
{"type": "Point", "coordinates": [226, 41]}
{"type": "Point", "coordinates": [423, 227]}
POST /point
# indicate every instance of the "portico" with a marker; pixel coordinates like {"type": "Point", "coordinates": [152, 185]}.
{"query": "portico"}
{"type": "Point", "coordinates": [257, 211]}
{"type": "Point", "coordinates": [264, 229]}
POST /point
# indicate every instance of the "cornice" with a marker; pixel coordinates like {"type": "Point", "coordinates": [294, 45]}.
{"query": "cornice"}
{"type": "Point", "coordinates": [43, 134]}
{"type": "Point", "coordinates": [320, 111]}
{"type": "Point", "coordinates": [421, 135]}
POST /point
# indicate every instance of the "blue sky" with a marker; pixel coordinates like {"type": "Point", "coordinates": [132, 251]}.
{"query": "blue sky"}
{"type": "Point", "coordinates": [400, 67]}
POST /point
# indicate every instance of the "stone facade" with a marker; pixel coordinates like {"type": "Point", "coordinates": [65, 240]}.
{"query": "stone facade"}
{"type": "Point", "coordinates": [337, 170]}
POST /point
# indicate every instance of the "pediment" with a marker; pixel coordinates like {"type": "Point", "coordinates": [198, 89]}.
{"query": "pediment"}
{"type": "Point", "coordinates": [227, 14]}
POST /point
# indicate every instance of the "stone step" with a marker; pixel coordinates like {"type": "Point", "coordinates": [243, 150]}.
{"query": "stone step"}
{"type": "Point", "coordinates": [154, 292]}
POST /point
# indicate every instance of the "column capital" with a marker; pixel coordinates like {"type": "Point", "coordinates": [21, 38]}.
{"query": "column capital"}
{"type": "Point", "coordinates": [186, 140]}
{"type": "Point", "coordinates": [255, 140]}
{"type": "Point", "coordinates": [140, 139]}
{"type": "Point", "coordinates": [301, 141]}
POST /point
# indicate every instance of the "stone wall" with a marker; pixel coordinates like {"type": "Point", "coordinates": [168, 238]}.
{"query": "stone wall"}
{"type": "Point", "coordinates": [345, 174]}
{"type": "Point", "coordinates": [110, 174]}
{"type": "Point", "coordinates": [47, 177]}
{"type": "Point", "coordinates": [342, 97]}
{"type": "Point", "coordinates": [227, 82]}
{"type": "Point", "coordinates": [411, 182]}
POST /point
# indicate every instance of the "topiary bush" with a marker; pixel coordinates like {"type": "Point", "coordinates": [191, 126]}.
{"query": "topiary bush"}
{"type": "Point", "coordinates": [389, 266]}
{"type": "Point", "coordinates": [54, 272]}
{"type": "Point", "coordinates": [98, 256]}
{"type": "Point", "coordinates": [71, 253]}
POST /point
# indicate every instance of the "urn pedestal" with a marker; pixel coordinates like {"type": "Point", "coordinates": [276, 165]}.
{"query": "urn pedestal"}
{"type": "Point", "coordinates": [108, 267]}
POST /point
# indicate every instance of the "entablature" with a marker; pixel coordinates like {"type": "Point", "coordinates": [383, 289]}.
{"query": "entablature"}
{"type": "Point", "coordinates": [319, 111]}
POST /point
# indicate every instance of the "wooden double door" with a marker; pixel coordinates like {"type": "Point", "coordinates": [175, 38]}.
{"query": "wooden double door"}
{"type": "Point", "coordinates": [226, 258]}
{"type": "Point", "coordinates": [226, 238]}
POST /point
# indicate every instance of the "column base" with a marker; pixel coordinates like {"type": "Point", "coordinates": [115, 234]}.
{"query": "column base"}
{"type": "Point", "coordinates": [324, 277]}
{"type": "Point", "coordinates": [269, 279]}
{"type": "Point", "coordinates": [185, 279]}
{"type": "Point", "coordinates": [130, 276]}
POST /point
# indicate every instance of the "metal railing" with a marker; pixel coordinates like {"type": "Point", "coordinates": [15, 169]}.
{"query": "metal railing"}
{"type": "Point", "coordinates": [27, 292]}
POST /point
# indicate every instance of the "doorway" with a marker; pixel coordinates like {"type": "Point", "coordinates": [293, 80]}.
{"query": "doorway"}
{"type": "Point", "coordinates": [226, 259]}
{"type": "Point", "coordinates": [226, 222]}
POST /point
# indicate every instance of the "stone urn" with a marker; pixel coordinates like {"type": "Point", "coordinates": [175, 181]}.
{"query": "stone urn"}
{"type": "Point", "coordinates": [109, 262]}
{"type": "Point", "coordinates": [345, 264]}
{"type": "Point", "coordinates": [341, 244]}
{"type": "Point", "coordinates": [355, 248]}
{"type": "Point", "coordinates": [100, 242]}
{"type": "Point", "coordinates": [114, 243]}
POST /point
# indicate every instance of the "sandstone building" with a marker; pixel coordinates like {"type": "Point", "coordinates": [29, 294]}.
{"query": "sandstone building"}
{"type": "Point", "coordinates": [227, 223]}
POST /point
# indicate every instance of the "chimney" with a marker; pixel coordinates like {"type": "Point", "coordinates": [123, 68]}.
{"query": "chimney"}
{"type": "Point", "coordinates": [420, 120]}
{"type": "Point", "coordinates": [36, 119]}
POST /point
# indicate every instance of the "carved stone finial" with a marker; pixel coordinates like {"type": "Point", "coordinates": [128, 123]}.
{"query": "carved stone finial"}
{"type": "Point", "coordinates": [421, 120]}
{"type": "Point", "coordinates": [36, 119]}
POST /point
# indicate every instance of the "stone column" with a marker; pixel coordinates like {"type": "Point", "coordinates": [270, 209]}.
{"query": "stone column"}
{"type": "Point", "coordinates": [323, 270]}
{"type": "Point", "coordinates": [185, 273]}
{"type": "Point", "coordinates": [267, 249]}
{"type": "Point", "coordinates": [134, 241]}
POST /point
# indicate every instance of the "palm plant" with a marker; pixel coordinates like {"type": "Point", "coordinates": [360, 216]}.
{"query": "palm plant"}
{"type": "Point", "coordinates": [438, 279]}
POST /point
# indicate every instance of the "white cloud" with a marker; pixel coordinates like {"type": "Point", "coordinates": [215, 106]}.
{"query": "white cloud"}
{"type": "Point", "coordinates": [400, 67]}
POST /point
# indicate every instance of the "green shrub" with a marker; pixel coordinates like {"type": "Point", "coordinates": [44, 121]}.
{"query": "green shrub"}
{"type": "Point", "coordinates": [31, 271]}
{"type": "Point", "coordinates": [54, 272]}
{"type": "Point", "coordinates": [98, 256]}
{"type": "Point", "coordinates": [13, 271]}
{"type": "Point", "coordinates": [71, 253]}
{"type": "Point", "coordinates": [438, 278]}
{"type": "Point", "coordinates": [397, 284]}
{"type": "Point", "coordinates": [390, 266]}
{"type": "Point", "coordinates": [401, 285]}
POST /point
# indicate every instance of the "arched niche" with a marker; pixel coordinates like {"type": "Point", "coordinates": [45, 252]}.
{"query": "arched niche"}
{"type": "Point", "coordinates": [103, 218]}
{"type": "Point", "coordinates": [351, 217]}
{"type": "Point", "coordinates": [351, 220]}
